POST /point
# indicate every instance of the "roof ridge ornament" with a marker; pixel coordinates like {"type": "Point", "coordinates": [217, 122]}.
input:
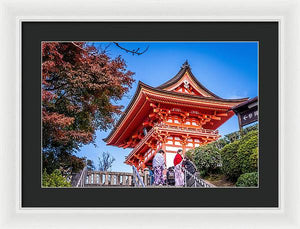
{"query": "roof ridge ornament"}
{"type": "Point", "coordinates": [186, 84]}
{"type": "Point", "coordinates": [186, 64]}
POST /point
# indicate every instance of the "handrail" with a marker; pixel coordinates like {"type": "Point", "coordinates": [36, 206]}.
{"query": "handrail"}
{"type": "Point", "coordinates": [136, 174]}
{"type": "Point", "coordinates": [200, 181]}
{"type": "Point", "coordinates": [81, 180]}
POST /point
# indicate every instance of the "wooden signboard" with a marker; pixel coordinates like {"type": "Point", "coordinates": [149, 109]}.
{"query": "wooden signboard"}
{"type": "Point", "coordinates": [247, 112]}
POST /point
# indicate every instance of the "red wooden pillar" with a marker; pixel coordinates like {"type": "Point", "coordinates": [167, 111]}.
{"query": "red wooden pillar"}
{"type": "Point", "coordinates": [143, 164]}
{"type": "Point", "coordinates": [163, 147]}
{"type": "Point", "coordinates": [183, 143]}
{"type": "Point", "coordinates": [183, 148]}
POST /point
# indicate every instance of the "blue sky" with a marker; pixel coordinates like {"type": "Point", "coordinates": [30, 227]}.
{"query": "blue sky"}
{"type": "Point", "coordinates": [228, 69]}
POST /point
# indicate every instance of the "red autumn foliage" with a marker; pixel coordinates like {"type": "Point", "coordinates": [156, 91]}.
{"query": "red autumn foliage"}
{"type": "Point", "coordinates": [79, 84]}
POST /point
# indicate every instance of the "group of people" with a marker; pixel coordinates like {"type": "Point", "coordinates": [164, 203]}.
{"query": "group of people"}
{"type": "Point", "coordinates": [180, 162]}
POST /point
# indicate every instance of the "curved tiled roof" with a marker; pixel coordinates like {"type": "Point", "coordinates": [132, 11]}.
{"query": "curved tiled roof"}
{"type": "Point", "coordinates": [185, 68]}
{"type": "Point", "coordinates": [161, 89]}
{"type": "Point", "coordinates": [216, 98]}
{"type": "Point", "coordinates": [157, 89]}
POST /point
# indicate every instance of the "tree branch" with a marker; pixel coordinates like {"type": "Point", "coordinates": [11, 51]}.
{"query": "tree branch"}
{"type": "Point", "coordinates": [132, 51]}
{"type": "Point", "coordinates": [78, 46]}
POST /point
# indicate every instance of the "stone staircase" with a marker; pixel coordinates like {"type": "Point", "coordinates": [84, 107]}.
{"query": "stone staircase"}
{"type": "Point", "coordinates": [122, 179]}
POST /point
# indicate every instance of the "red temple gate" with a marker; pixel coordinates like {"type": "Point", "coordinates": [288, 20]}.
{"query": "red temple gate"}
{"type": "Point", "coordinates": [179, 114]}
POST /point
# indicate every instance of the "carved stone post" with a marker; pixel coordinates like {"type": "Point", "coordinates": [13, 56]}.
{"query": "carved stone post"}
{"type": "Point", "coordinates": [141, 175]}
{"type": "Point", "coordinates": [100, 179]}
{"type": "Point", "coordinates": [112, 179]}
{"type": "Point", "coordinates": [129, 180]}
{"type": "Point", "coordinates": [90, 178]}
{"type": "Point", "coordinates": [106, 178]}
{"type": "Point", "coordinates": [118, 177]}
{"type": "Point", "coordinates": [124, 180]}
{"type": "Point", "coordinates": [95, 178]}
{"type": "Point", "coordinates": [146, 176]}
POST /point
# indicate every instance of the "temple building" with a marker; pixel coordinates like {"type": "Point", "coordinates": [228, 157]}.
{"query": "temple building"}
{"type": "Point", "coordinates": [179, 114]}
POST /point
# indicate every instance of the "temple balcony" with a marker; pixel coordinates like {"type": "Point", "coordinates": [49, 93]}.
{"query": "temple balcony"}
{"type": "Point", "coordinates": [163, 129]}
{"type": "Point", "coordinates": [194, 130]}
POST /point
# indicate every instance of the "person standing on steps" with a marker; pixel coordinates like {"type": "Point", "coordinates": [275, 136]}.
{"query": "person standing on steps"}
{"type": "Point", "coordinates": [191, 168]}
{"type": "Point", "coordinates": [151, 175]}
{"type": "Point", "coordinates": [159, 165]}
{"type": "Point", "coordinates": [179, 176]}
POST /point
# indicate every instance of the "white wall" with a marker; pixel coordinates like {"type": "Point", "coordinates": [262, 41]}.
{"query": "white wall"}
{"type": "Point", "coordinates": [170, 159]}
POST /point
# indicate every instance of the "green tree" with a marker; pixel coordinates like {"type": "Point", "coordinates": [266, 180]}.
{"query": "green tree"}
{"type": "Point", "coordinates": [231, 167]}
{"type": "Point", "coordinates": [190, 154]}
{"type": "Point", "coordinates": [241, 156]}
{"type": "Point", "coordinates": [248, 180]}
{"type": "Point", "coordinates": [234, 136]}
{"type": "Point", "coordinates": [90, 165]}
{"type": "Point", "coordinates": [248, 152]}
{"type": "Point", "coordinates": [207, 159]}
{"type": "Point", "coordinates": [55, 179]}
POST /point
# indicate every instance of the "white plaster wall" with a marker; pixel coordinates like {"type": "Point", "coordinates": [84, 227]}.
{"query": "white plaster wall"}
{"type": "Point", "coordinates": [170, 159]}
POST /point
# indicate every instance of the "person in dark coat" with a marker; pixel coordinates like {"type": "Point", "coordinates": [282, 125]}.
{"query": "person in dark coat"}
{"type": "Point", "coordinates": [151, 175]}
{"type": "Point", "coordinates": [171, 176]}
{"type": "Point", "coordinates": [190, 167]}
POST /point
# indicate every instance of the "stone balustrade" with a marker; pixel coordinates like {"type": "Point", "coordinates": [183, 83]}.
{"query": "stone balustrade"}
{"type": "Point", "coordinates": [106, 178]}
{"type": "Point", "coordinates": [122, 179]}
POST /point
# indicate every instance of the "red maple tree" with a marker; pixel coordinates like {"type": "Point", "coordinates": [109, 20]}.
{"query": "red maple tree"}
{"type": "Point", "coordinates": [79, 85]}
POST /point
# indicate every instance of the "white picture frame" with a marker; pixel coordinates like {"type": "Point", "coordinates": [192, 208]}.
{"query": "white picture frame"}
{"type": "Point", "coordinates": [12, 13]}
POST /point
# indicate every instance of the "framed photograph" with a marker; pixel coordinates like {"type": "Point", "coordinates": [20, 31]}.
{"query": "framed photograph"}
{"type": "Point", "coordinates": [90, 117]}
{"type": "Point", "coordinates": [151, 115]}
{"type": "Point", "coordinates": [166, 143]}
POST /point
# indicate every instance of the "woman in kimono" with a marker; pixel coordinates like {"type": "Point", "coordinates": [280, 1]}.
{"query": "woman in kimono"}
{"type": "Point", "coordinates": [179, 176]}
{"type": "Point", "coordinates": [159, 165]}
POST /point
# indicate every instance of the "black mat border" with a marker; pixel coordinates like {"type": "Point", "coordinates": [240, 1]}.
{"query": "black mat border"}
{"type": "Point", "coordinates": [264, 32]}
